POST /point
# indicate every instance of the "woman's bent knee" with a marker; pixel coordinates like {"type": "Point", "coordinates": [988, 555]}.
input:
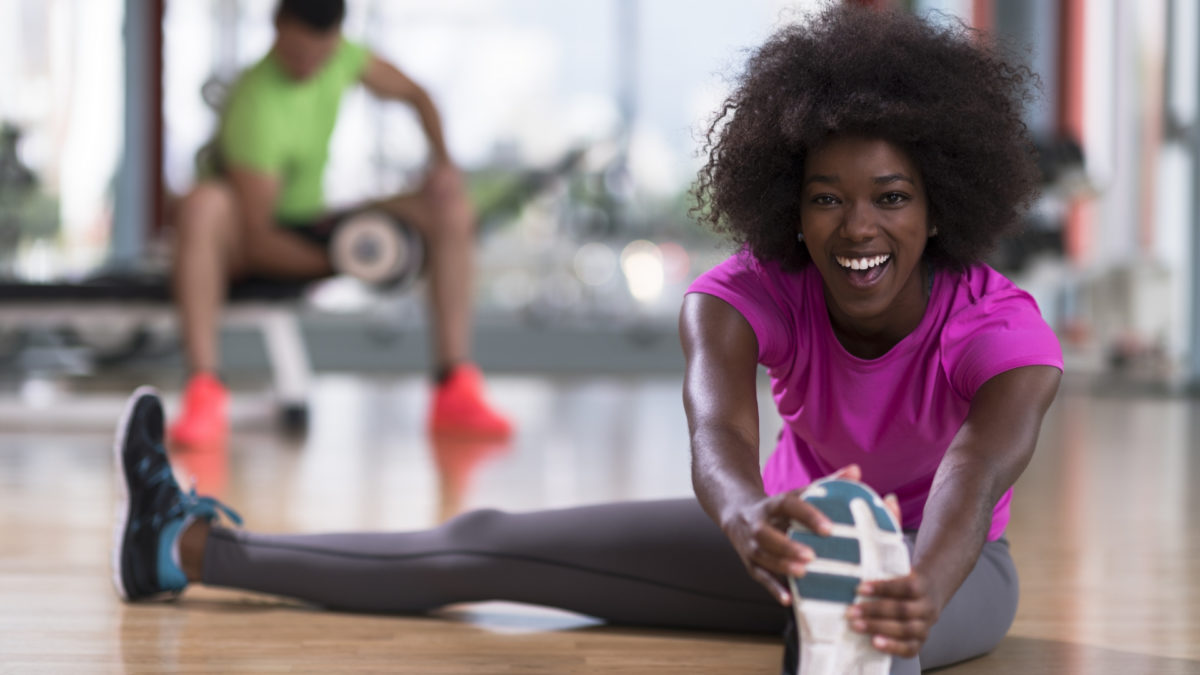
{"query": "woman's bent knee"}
{"type": "Point", "coordinates": [979, 614]}
{"type": "Point", "coordinates": [473, 525]}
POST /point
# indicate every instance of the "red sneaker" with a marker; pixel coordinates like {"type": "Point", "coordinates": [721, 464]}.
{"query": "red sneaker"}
{"type": "Point", "coordinates": [203, 420]}
{"type": "Point", "coordinates": [459, 407]}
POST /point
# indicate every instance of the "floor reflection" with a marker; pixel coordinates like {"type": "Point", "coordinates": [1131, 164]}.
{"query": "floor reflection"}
{"type": "Point", "coordinates": [204, 467]}
{"type": "Point", "coordinates": [458, 460]}
{"type": "Point", "coordinates": [1103, 531]}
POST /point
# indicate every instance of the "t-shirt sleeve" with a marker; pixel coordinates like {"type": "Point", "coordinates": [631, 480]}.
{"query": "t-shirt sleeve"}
{"type": "Point", "coordinates": [1002, 331]}
{"type": "Point", "coordinates": [745, 285]}
{"type": "Point", "coordinates": [250, 136]}
{"type": "Point", "coordinates": [352, 59]}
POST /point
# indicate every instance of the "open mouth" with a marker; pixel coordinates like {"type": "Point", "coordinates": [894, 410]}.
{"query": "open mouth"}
{"type": "Point", "coordinates": [863, 271]}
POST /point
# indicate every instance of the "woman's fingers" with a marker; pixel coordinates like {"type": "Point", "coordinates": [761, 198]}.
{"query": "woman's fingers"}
{"type": "Point", "coordinates": [899, 610]}
{"type": "Point", "coordinates": [893, 504]}
{"type": "Point", "coordinates": [899, 630]}
{"type": "Point", "coordinates": [905, 587]}
{"type": "Point", "coordinates": [902, 648]}
{"type": "Point", "coordinates": [773, 585]}
{"type": "Point", "coordinates": [762, 540]}
{"type": "Point", "coordinates": [775, 551]}
{"type": "Point", "coordinates": [849, 472]}
{"type": "Point", "coordinates": [896, 636]}
{"type": "Point", "coordinates": [896, 613]}
{"type": "Point", "coordinates": [794, 508]}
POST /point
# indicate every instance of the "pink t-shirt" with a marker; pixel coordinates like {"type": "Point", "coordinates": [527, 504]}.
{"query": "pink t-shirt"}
{"type": "Point", "coordinates": [894, 415]}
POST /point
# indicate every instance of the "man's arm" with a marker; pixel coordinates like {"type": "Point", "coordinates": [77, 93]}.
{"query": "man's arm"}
{"type": "Point", "coordinates": [269, 248]}
{"type": "Point", "coordinates": [985, 459]}
{"type": "Point", "coordinates": [386, 81]}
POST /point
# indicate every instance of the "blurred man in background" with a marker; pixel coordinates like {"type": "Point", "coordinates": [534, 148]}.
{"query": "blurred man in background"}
{"type": "Point", "coordinates": [259, 210]}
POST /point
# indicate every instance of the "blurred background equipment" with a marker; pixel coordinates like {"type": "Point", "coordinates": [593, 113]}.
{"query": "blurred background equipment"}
{"type": "Point", "coordinates": [577, 126]}
{"type": "Point", "coordinates": [17, 185]}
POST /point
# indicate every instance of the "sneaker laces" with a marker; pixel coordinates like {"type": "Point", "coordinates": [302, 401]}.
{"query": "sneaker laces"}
{"type": "Point", "coordinates": [204, 507]}
{"type": "Point", "coordinates": [179, 504]}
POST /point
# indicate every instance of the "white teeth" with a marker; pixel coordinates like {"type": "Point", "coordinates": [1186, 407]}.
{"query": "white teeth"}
{"type": "Point", "coordinates": [862, 263]}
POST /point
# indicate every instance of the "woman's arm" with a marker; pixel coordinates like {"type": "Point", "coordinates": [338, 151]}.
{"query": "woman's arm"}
{"type": "Point", "coordinates": [986, 457]}
{"type": "Point", "coordinates": [719, 396]}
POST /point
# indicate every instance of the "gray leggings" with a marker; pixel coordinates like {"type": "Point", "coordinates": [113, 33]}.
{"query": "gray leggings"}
{"type": "Point", "coordinates": [655, 563]}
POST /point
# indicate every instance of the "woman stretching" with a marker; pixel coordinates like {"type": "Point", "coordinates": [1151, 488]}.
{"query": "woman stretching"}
{"type": "Point", "coordinates": [864, 165]}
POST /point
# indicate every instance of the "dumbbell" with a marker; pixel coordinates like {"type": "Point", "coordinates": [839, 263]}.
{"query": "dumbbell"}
{"type": "Point", "coordinates": [376, 248]}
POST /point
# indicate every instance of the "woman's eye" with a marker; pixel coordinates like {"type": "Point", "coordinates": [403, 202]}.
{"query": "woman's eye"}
{"type": "Point", "coordinates": [893, 198]}
{"type": "Point", "coordinates": [824, 200]}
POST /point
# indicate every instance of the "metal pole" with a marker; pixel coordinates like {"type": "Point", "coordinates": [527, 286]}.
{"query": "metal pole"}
{"type": "Point", "coordinates": [1035, 24]}
{"type": "Point", "coordinates": [627, 70]}
{"type": "Point", "coordinates": [131, 210]}
{"type": "Point", "coordinates": [1193, 149]}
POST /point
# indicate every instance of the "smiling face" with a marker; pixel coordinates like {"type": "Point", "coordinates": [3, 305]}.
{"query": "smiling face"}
{"type": "Point", "coordinates": [864, 220]}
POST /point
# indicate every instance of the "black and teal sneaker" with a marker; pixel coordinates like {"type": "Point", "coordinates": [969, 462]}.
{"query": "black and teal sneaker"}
{"type": "Point", "coordinates": [152, 509]}
{"type": "Point", "coordinates": [866, 544]}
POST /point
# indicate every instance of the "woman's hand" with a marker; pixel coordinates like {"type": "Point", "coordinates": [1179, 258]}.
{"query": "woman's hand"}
{"type": "Point", "coordinates": [897, 613]}
{"type": "Point", "coordinates": [758, 532]}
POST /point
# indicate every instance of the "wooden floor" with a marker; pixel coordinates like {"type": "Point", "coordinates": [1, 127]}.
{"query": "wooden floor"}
{"type": "Point", "coordinates": [1103, 532]}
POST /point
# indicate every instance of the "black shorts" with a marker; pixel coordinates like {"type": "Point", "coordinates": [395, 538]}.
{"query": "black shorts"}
{"type": "Point", "coordinates": [320, 231]}
{"type": "Point", "coordinates": [317, 231]}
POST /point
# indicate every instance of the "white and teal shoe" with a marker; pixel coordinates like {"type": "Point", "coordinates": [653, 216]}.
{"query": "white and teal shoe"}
{"type": "Point", "coordinates": [866, 544]}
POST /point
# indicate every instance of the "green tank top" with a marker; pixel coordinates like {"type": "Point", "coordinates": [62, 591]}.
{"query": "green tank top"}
{"type": "Point", "coordinates": [281, 126]}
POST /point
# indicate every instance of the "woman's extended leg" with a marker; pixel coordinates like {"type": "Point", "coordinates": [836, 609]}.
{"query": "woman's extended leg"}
{"type": "Point", "coordinates": [655, 563]}
{"type": "Point", "coordinates": [658, 563]}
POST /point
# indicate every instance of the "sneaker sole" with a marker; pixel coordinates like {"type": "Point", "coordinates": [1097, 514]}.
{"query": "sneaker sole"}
{"type": "Point", "coordinates": [866, 544]}
{"type": "Point", "coordinates": [122, 514]}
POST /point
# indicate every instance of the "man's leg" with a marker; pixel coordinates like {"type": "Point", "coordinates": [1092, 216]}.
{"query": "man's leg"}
{"type": "Point", "coordinates": [207, 253]}
{"type": "Point", "coordinates": [211, 250]}
{"type": "Point", "coordinates": [447, 223]}
{"type": "Point", "coordinates": [448, 227]}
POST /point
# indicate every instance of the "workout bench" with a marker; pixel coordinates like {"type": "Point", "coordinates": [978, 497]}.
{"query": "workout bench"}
{"type": "Point", "coordinates": [269, 306]}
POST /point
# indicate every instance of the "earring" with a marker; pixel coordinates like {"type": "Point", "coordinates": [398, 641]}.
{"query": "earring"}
{"type": "Point", "coordinates": [800, 237]}
{"type": "Point", "coordinates": [933, 231]}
